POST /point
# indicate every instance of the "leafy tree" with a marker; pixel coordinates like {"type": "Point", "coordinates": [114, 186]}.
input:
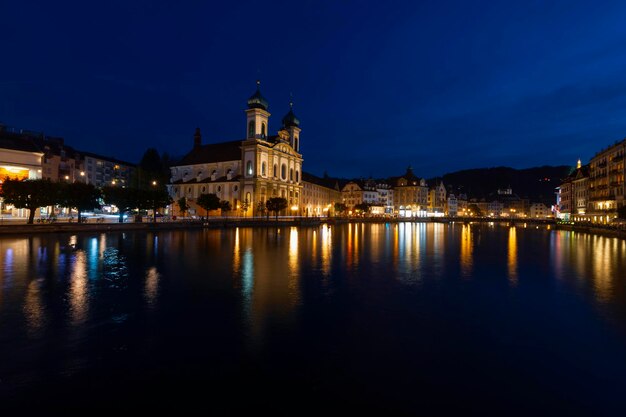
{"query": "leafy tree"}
{"type": "Point", "coordinates": [225, 206]}
{"type": "Point", "coordinates": [182, 205]}
{"type": "Point", "coordinates": [125, 199]}
{"type": "Point", "coordinates": [340, 208]}
{"type": "Point", "coordinates": [153, 199]}
{"type": "Point", "coordinates": [244, 207]}
{"type": "Point", "coordinates": [29, 194]}
{"type": "Point", "coordinates": [79, 196]}
{"type": "Point", "coordinates": [208, 202]}
{"type": "Point", "coordinates": [276, 204]}
{"type": "Point", "coordinates": [153, 167]}
{"type": "Point", "coordinates": [474, 209]}
{"type": "Point", "coordinates": [261, 209]}
{"type": "Point", "coordinates": [362, 207]}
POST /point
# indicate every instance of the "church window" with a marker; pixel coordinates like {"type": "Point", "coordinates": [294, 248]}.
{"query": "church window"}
{"type": "Point", "coordinates": [283, 171]}
{"type": "Point", "coordinates": [297, 176]}
{"type": "Point", "coordinates": [263, 168]}
{"type": "Point", "coordinates": [263, 130]}
{"type": "Point", "coordinates": [295, 144]}
{"type": "Point", "coordinates": [275, 170]}
{"type": "Point", "coordinates": [291, 174]}
{"type": "Point", "coordinates": [251, 129]}
{"type": "Point", "coordinates": [249, 168]}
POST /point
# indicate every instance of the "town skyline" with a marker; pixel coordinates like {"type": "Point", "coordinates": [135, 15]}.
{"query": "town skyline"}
{"type": "Point", "coordinates": [401, 81]}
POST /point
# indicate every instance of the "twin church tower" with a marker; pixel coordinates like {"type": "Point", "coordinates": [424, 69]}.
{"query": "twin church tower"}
{"type": "Point", "coordinates": [245, 172]}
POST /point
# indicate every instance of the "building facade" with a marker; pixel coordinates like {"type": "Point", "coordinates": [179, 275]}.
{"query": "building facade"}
{"type": "Point", "coordinates": [606, 183]}
{"type": "Point", "coordinates": [100, 171]}
{"type": "Point", "coordinates": [246, 172]}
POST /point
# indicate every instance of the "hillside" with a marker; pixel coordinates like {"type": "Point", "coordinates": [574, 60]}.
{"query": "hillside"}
{"type": "Point", "coordinates": [537, 184]}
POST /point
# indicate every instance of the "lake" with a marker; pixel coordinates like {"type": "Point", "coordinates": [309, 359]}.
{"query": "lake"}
{"type": "Point", "coordinates": [394, 319]}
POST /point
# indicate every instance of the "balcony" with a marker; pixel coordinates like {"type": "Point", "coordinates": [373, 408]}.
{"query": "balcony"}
{"type": "Point", "coordinates": [618, 158]}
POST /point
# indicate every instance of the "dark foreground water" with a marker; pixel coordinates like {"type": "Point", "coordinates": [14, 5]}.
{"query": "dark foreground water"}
{"type": "Point", "coordinates": [418, 319]}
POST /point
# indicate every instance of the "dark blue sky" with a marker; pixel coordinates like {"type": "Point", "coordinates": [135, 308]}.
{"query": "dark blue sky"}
{"type": "Point", "coordinates": [440, 85]}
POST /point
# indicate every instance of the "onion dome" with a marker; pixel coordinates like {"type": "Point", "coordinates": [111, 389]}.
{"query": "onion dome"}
{"type": "Point", "coordinates": [256, 100]}
{"type": "Point", "coordinates": [290, 118]}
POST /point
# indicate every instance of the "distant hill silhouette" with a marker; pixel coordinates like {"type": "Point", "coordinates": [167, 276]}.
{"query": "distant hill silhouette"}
{"type": "Point", "coordinates": [536, 184]}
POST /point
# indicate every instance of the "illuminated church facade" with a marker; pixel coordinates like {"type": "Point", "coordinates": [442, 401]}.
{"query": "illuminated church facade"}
{"type": "Point", "coordinates": [245, 172]}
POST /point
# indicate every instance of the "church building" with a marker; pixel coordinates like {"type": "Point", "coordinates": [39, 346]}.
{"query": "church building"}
{"type": "Point", "coordinates": [245, 172]}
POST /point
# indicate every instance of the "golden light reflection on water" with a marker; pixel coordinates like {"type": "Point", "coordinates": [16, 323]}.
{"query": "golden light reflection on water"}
{"type": "Point", "coordinates": [604, 250]}
{"type": "Point", "coordinates": [467, 256]}
{"type": "Point", "coordinates": [33, 306]}
{"type": "Point", "coordinates": [512, 256]}
{"type": "Point", "coordinates": [327, 253]}
{"type": "Point", "coordinates": [293, 251]}
{"type": "Point", "coordinates": [78, 293]}
{"type": "Point", "coordinates": [151, 286]}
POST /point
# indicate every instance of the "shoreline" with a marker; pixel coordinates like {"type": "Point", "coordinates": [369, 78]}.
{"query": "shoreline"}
{"type": "Point", "coordinates": [219, 223]}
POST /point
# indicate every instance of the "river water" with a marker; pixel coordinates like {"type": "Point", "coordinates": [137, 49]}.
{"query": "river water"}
{"type": "Point", "coordinates": [396, 319]}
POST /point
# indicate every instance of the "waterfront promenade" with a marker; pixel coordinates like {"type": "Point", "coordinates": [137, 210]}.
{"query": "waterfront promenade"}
{"type": "Point", "coordinates": [105, 224]}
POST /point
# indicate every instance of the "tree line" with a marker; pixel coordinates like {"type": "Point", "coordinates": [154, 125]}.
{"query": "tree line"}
{"type": "Point", "coordinates": [33, 194]}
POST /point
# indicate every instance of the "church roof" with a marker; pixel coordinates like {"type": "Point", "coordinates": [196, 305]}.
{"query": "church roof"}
{"type": "Point", "coordinates": [214, 152]}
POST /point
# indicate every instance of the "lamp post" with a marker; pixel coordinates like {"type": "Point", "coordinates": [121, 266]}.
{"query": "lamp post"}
{"type": "Point", "coordinates": [154, 208]}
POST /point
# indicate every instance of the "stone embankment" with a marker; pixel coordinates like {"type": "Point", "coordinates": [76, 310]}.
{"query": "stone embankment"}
{"type": "Point", "coordinates": [221, 223]}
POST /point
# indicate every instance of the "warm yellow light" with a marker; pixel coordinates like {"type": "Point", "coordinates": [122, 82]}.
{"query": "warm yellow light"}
{"type": "Point", "coordinates": [67, 177]}
{"type": "Point", "coordinates": [113, 182]}
{"type": "Point", "coordinates": [82, 173]}
{"type": "Point", "coordinates": [294, 208]}
{"type": "Point", "coordinates": [154, 183]}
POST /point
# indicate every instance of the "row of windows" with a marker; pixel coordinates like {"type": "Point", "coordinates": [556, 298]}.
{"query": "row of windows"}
{"type": "Point", "coordinates": [283, 171]}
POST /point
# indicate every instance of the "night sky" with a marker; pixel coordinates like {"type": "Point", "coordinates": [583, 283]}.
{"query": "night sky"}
{"type": "Point", "coordinates": [379, 85]}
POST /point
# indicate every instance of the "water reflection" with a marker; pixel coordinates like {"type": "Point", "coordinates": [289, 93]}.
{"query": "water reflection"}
{"type": "Point", "coordinates": [78, 294]}
{"type": "Point", "coordinates": [466, 250]}
{"type": "Point", "coordinates": [33, 307]}
{"type": "Point", "coordinates": [56, 281]}
{"type": "Point", "coordinates": [327, 242]}
{"type": "Point", "coordinates": [512, 256]}
{"type": "Point", "coordinates": [151, 288]}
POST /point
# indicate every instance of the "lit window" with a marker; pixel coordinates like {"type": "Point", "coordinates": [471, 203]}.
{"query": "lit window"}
{"type": "Point", "coordinates": [249, 168]}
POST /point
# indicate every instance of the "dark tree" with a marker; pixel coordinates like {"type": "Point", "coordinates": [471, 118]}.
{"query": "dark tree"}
{"type": "Point", "coordinates": [29, 194]}
{"type": "Point", "coordinates": [475, 210]}
{"type": "Point", "coordinates": [79, 196]}
{"type": "Point", "coordinates": [182, 205]}
{"type": "Point", "coordinates": [153, 199]}
{"type": "Point", "coordinates": [362, 207]}
{"type": "Point", "coordinates": [621, 212]}
{"type": "Point", "coordinates": [225, 206]}
{"type": "Point", "coordinates": [276, 204]}
{"type": "Point", "coordinates": [125, 199]}
{"type": "Point", "coordinates": [340, 208]}
{"type": "Point", "coordinates": [153, 169]}
{"type": "Point", "coordinates": [208, 202]}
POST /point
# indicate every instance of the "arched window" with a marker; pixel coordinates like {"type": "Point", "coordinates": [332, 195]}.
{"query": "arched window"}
{"type": "Point", "coordinates": [283, 171]}
{"type": "Point", "coordinates": [297, 176]}
{"type": "Point", "coordinates": [262, 130]}
{"type": "Point", "coordinates": [275, 170]}
{"type": "Point", "coordinates": [251, 129]}
{"type": "Point", "coordinates": [295, 143]}
{"type": "Point", "coordinates": [248, 198]}
{"type": "Point", "coordinates": [249, 168]}
{"type": "Point", "coordinates": [291, 174]}
{"type": "Point", "coordinates": [263, 168]}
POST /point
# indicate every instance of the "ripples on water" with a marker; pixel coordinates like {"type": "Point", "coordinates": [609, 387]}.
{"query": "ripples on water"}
{"type": "Point", "coordinates": [277, 297]}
